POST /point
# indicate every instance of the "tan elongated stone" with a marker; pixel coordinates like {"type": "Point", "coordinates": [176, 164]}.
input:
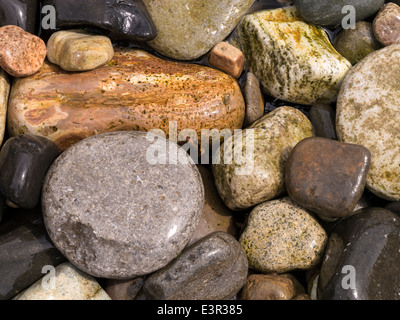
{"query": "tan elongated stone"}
{"type": "Point", "coordinates": [135, 91]}
{"type": "Point", "coordinates": [4, 92]}
{"type": "Point", "coordinates": [77, 50]}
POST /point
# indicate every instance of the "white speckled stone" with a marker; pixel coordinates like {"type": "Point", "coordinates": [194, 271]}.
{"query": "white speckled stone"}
{"type": "Point", "coordinates": [4, 91]}
{"type": "Point", "coordinates": [368, 114]}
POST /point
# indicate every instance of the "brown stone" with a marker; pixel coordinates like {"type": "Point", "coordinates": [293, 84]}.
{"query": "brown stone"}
{"type": "Point", "coordinates": [227, 58]}
{"type": "Point", "coordinates": [254, 100]}
{"type": "Point", "coordinates": [386, 24]}
{"type": "Point", "coordinates": [326, 176]}
{"type": "Point", "coordinates": [123, 289]}
{"type": "Point", "coordinates": [21, 53]}
{"type": "Point", "coordinates": [268, 287]}
{"type": "Point", "coordinates": [303, 296]}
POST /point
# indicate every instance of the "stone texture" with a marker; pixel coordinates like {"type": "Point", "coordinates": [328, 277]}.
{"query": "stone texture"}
{"type": "Point", "coordinates": [327, 177]}
{"type": "Point", "coordinates": [268, 287]}
{"type": "Point", "coordinates": [78, 50]}
{"type": "Point", "coordinates": [227, 58]}
{"type": "Point", "coordinates": [254, 100]}
{"type": "Point", "coordinates": [4, 93]}
{"type": "Point", "coordinates": [367, 112]}
{"type": "Point", "coordinates": [386, 25]}
{"type": "Point", "coordinates": [201, 25]}
{"type": "Point", "coordinates": [250, 178]}
{"type": "Point", "coordinates": [323, 120]}
{"type": "Point", "coordinates": [214, 268]}
{"type": "Point", "coordinates": [115, 210]}
{"type": "Point", "coordinates": [70, 284]}
{"type": "Point", "coordinates": [369, 242]}
{"type": "Point", "coordinates": [19, 13]}
{"type": "Point", "coordinates": [24, 161]}
{"type": "Point", "coordinates": [294, 61]}
{"type": "Point", "coordinates": [356, 44]}
{"type": "Point", "coordinates": [328, 13]}
{"type": "Point", "coordinates": [135, 91]}
{"type": "Point", "coordinates": [280, 236]}
{"type": "Point", "coordinates": [21, 53]}
{"type": "Point", "coordinates": [123, 289]}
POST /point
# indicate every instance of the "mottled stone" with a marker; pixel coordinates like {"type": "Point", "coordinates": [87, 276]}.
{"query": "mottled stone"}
{"type": "Point", "coordinates": [280, 236]}
{"type": "Point", "coordinates": [78, 50]}
{"type": "Point", "coordinates": [268, 287]}
{"type": "Point", "coordinates": [327, 177]}
{"type": "Point", "coordinates": [322, 118]}
{"type": "Point", "coordinates": [356, 44]}
{"type": "Point", "coordinates": [254, 100]}
{"type": "Point", "coordinates": [330, 13]}
{"type": "Point", "coordinates": [201, 25]}
{"type": "Point", "coordinates": [19, 13]}
{"type": "Point", "coordinates": [110, 201]}
{"type": "Point", "coordinates": [387, 25]}
{"type": "Point", "coordinates": [4, 93]}
{"type": "Point", "coordinates": [214, 268]}
{"type": "Point", "coordinates": [135, 91]}
{"type": "Point", "coordinates": [21, 54]}
{"type": "Point", "coordinates": [363, 252]}
{"type": "Point", "coordinates": [294, 61]}
{"type": "Point", "coordinates": [254, 171]}
{"type": "Point", "coordinates": [69, 284]}
{"type": "Point", "coordinates": [367, 114]}
{"type": "Point", "coordinates": [123, 289]}
{"type": "Point", "coordinates": [24, 161]}
{"type": "Point", "coordinates": [227, 58]}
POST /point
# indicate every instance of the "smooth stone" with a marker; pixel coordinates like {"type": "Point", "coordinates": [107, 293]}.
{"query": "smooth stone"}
{"type": "Point", "coordinates": [227, 58]}
{"type": "Point", "coordinates": [216, 215]}
{"type": "Point", "coordinates": [24, 161]}
{"type": "Point", "coordinates": [281, 236]}
{"type": "Point", "coordinates": [135, 91]}
{"type": "Point", "coordinates": [367, 114]}
{"type": "Point", "coordinates": [108, 209]}
{"type": "Point", "coordinates": [394, 207]}
{"type": "Point", "coordinates": [323, 120]}
{"type": "Point", "coordinates": [196, 25]}
{"type": "Point", "coordinates": [78, 50]}
{"type": "Point", "coordinates": [70, 284]}
{"type": "Point", "coordinates": [368, 242]}
{"type": "Point", "coordinates": [328, 13]}
{"type": "Point", "coordinates": [327, 177]}
{"type": "Point", "coordinates": [123, 289]}
{"type": "Point", "coordinates": [293, 61]}
{"type": "Point", "coordinates": [214, 268]}
{"type": "Point", "coordinates": [254, 177]}
{"type": "Point", "coordinates": [303, 296]}
{"type": "Point", "coordinates": [21, 54]}
{"type": "Point", "coordinates": [356, 44]}
{"type": "Point", "coordinates": [254, 100]}
{"type": "Point", "coordinates": [19, 13]}
{"type": "Point", "coordinates": [386, 25]}
{"type": "Point", "coordinates": [121, 20]}
{"type": "Point", "coordinates": [4, 93]}
{"type": "Point", "coordinates": [24, 251]}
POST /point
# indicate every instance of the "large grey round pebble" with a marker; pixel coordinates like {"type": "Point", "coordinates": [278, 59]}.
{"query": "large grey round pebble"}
{"type": "Point", "coordinates": [115, 215]}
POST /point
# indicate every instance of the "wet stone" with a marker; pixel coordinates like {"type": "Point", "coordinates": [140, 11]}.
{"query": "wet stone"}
{"type": "Point", "coordinates": [19, 13]}
{"type": "Point", "coordinates": [227, 58]}
{"type": "Point", "coordinates": [254, 100]}
{"type": "Point", "coordinates": [323, 120]}
{"type": "Point", "coordinates": [386, 25]}
{"type": "Point", "coordinates": [326, 176]}
{"type": "Point", "coordinates": [4, 93]}
{"type": "Point", "coordinates": [123, 289]}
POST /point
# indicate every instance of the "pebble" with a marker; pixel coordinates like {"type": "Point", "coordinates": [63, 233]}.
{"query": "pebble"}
{"type": "Point", "coordinates": [281, 236]}
{"type": "Point", "coordinates": [21, 54]}
{"type": "Point", "coordinates": [323, 120]}
{"type": "Point", "coordinates": [227, 58]}
{"type": "Point", "coordinates": [367, 112]}
{"type": "Point", "coordinates": [327, 177]}
{"type": "Point", "coordinates": [254, 177]}
{"type": "Point", "coordinates": [254, 100]}
{"type": "Point", "coordinates": [386, 24]}
{"type": "Point", "coordinates": [107, 208]}
{"type": "Point", "coordinates": [4, 93]}
{"type": "Point", "coordinates": [216, 260]}
{"type": "Point", "coordinates": [19, 13]}
{"type": "Point", "coordinates": [268, 287]}
{"type": "Point", "coordinates": [69, 284]}
{"type": "Point", "coordinates": [123, 289]}
{"type": "Point", "coordinates": [77, 50]}
{"type": "Point", "coordinates": [294, 61]}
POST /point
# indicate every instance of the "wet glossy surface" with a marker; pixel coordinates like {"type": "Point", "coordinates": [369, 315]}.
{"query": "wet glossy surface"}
{"type": "Point", "coordinates": [21, 13]}
{"type": "Point", "coordinates": [323, 119]}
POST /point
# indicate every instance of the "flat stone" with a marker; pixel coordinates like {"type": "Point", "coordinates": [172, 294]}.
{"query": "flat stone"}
{"type": "Point", "coordinates": [294, 61]}
{"type": "Point", "coordinates": [356, 44]}
{"type": "Point", "coordinates": [254, 100]}
{"type": "Point", "coordinates": [367, 112]}
{"type": "Point", "coordinates": [323, 120]}
{"type": "Point", "coordinates": [4, 93]}
{"type": "Point", "coordinates": [135, 91]}
{"type": "Point", "coordinates": [202, 24]}
{"type": "Point", "coordinates": [254, 172]}
{"type": "Point", "coordinates": [328, 13]}
{"type": "Point", "coordinates": [21, 54]}
{"type": "Point", "coordinates": [214, 268]}
{"type": "Point", "coordinates": [78, 50]}
{"type": "Point", "coordinates": [120, 20]}
{"type": "Point", "coordinates": [227, 58]}
{"type": "Point", "coordinates": [69, 284]}
{"type": "Point", "coordinates": [350, 254]}
{"type": "Point", "coordinates": [123, 289]}
{"type": "Point", "coordinates": [108, 203]}
{"type": "Point", "coordinates": [327, 177]}
{"type": "Point", "coordinates": [387, 25]}
{"type": "Point", "coordinates": [281, 236]}
{"type": "Point", "coordinates": [19, 13]}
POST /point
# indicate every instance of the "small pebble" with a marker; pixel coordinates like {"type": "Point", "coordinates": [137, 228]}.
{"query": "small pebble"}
{"type": "Point", "coordinates": [227, 58]}
{"type": "Point", "coordinates": [322, 118]}
{"type": "Point", "coordinates": [254, 100]}
{"type": "Point", "coordinates": [386, 25]}
{"type": "Point", "coordinates": [268, 287]}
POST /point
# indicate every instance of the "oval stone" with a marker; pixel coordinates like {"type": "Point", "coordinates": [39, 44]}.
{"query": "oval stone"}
{"type": "Point", "coordinates": [367, 114]}
{"type": "Point", "coordinates": [115, 215]}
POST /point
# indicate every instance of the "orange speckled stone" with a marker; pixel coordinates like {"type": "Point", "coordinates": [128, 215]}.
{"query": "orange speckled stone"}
{"type": "Point", "coordinates": [227, 58]}
{"type": "Point", "coordinates": [135, 91]}
{"type": "Point", "coordinates": [21, 53]}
